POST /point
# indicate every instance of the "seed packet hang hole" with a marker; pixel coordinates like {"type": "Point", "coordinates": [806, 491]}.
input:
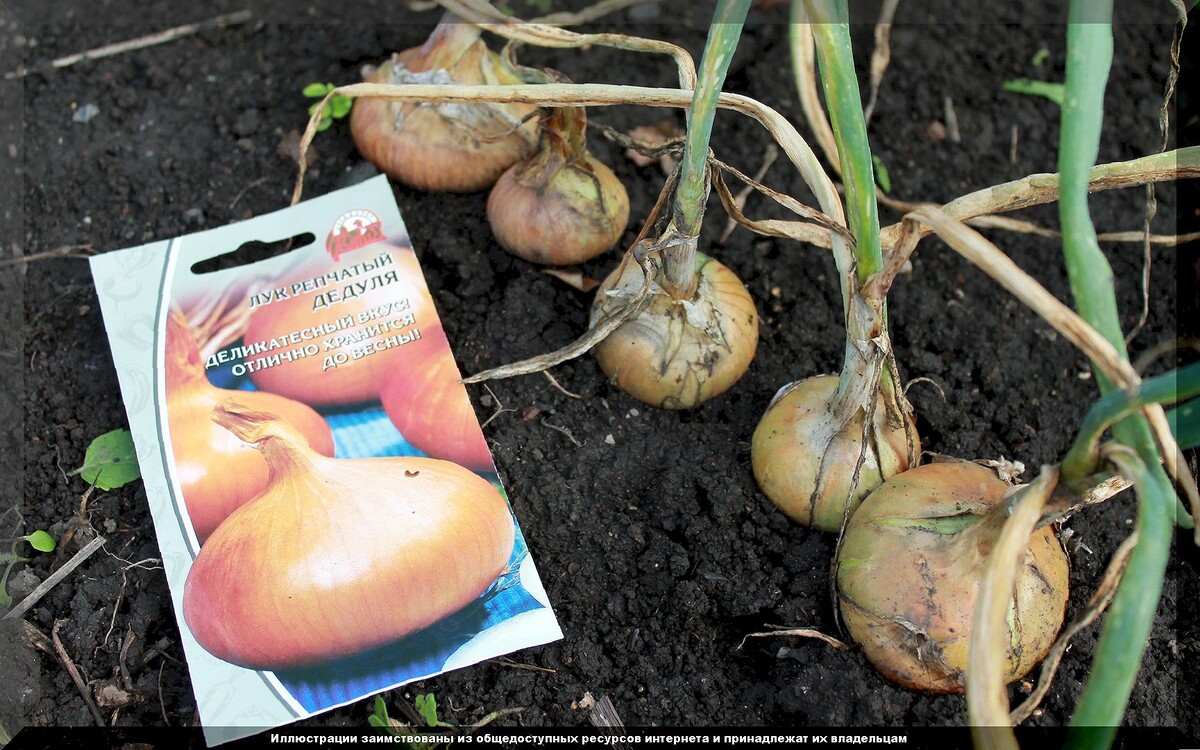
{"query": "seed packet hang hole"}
{"type": "Point", "coordinates": [330, 518]}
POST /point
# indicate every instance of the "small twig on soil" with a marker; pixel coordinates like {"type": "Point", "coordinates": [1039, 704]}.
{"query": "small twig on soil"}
{"type": "Point", "coordinates": [519, 665]}
{"type": "Point", "coordinates": [162, 705]}
{"type": "Point", "coordinates": [116, 605]}
{"type": "Point", "coordinates": [951, 118]}
{"type": "Point", "coordinates": [36, 595]}
{"type": "Point", "coordinates": [554, 382]}
{"type": "Point", "coordinates": [73, 671]}
{"type": "Point", "coordinates": [498, 713]}
{"type": "Point", "coordinates": [499, 408]}
{"type": "Point", "coordinates": [81, 520]}
{"type": "Point", "coordinates": [243, 191]}
{"type": "Point", "coordinates": [64, 251]}
{"type": "Point", "coordinates": [158, 649]}
{"type": "Point", "coordinates": [37, 638]}
{"type": "Point", "coordinates": [604, 714]}
{"type": "Point", "coordinates": [802, 633]}
{"type": "Point", "coordinates": [931, 381]}
{"type": "Point", "coordinates": [563, 430]}
{"type": "Point", "coordinates": [170, 35]}
{"type": "Point", "coordinates": [881, 56]}
{"type": "Point", "coordinates": [126, 680]}
{"type": "Point", "coordinates": [769, 158]}
{"type": "Point", "coordinates": [1012, 146]}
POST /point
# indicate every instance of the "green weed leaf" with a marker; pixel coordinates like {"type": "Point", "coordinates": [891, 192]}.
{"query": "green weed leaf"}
{"type": "Point", "coordinates": [1040, 57]}
{"type": "Point", "coordinates": [427, 707]}
{"type": "Point", "coordinates": [110, 461]}
{"type": "Point", "coordinates": [339, 106]}
{"type": "Point", "coordinates": [1052, 91]}
{"type": "Point", "coordinates": [41, 541]}
{"type": "Point", "coordinates": [317, 90]}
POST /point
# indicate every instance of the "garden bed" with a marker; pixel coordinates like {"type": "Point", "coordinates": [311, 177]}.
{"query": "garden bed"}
{"type": "Point", "coordinates": [657, 549]}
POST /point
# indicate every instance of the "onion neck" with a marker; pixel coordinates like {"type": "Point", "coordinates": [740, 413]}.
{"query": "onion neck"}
{"type": "Point", "coordinates": [681, 264]}
{"type": "Point", "coordinates": [446, 45]}
{"type": "Point", "coordinates": [285, 449]}
{"type": "Point", "coordinates": [562, 142]}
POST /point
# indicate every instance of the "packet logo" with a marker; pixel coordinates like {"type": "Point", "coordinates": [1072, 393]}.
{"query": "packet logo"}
{"type": "Point", "coordinates": [352, 230]}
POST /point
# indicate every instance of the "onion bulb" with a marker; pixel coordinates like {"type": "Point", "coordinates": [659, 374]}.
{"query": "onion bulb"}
{"type": "Point", "coordinates": [426, 401]}
{"type": "Point", "coordinates": [337, 557]}
{"type": "Point", "coordinates": [458, 147]}
{"type": "Point", "coordinates": [910, 568]}
{"type": "Point", "coordinates": [804, 459]}
{"type": "Point", "coordinates": [310, 379]}
{"type": "Point", "coordinates": [561, 206]}
{"type": "Point", "coordinates": [678, 353]}
{"type": "Point", "coordinates": [217, 472]}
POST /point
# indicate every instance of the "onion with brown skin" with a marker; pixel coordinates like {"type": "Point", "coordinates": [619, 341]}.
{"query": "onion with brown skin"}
{"type": "Point", "coordinates": [675, 353]}
{"type": "Point", "coordinates": [453, 147]}
{"type": "Point", "coordinates": [217, 472]}
{"type": "Point", "coordinates": [423, 396]}
{"type": "Point", "coordinates": [804, 459]}
{"type": "Point", "coordinates": [910, 568]}
{"type": "Point", "coordinates": [561, 206]}
{"type": "Point", "coordinates": [337, 557]}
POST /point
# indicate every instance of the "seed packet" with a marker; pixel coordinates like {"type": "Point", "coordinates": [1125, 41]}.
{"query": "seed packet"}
{"type": "Point", "coordinates": [331, 522]}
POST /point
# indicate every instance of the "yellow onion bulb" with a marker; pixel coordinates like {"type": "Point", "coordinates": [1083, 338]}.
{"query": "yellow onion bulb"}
{"type": "Point", "coordinates": [568, 216]}
{"type": "Point", "coordinates": [676, 354]}
{"type": "Point", "coordinates": [337, 557]}
{"type": "Point", "coordinates": [910, 568]}
{"type": "Point", "coordinates": [217, 472]}
{"type": "Point", "coordinates": [804, 461]}
{"type": "Point", "coordinates": [457, 147]}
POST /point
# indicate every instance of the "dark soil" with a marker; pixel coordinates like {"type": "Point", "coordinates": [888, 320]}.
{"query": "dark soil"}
{"type": "Point", "coordinates": [658, 551]}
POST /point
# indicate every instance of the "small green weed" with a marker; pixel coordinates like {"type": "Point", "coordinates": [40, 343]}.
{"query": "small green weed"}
{"type": "Point", "coordinates": [338, 107]}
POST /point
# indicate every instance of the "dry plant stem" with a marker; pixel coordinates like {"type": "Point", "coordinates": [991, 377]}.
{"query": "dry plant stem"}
{"type": "Point", "coordinates": [584, 344]}
{"type": "Point", "coordinates": [1043, 188]}
{"type": "Point", "coordinates": [1098, 493]}
{"type": "Point", "coordinates": [977, 249]}
{"type": "Point", "coordinates": [743, 195]}
{"type": "Point", "coordinates": [799, 633]}
{"type": "Point", "coordinates": [73, 671]}
{"type": "Point", "coordinates": [817, 218]}
{"type": "Point", "coordinates": [987, 697]}
{"type": "Point", "coordinates": [1164, 127]}
{"type": "Point", "coordinates": [1095, 607]}
{"type": "Point", "coordinates": [161, 37]}
{"type": "Point", "coordinates": [804, 72]}
{"type": "Point", "coordinates": [587, 15]}
{"type": "Point", "coordinates": [1009, 224]}
{"type": "Point", "coordinates": [881, 56]}
{"type": "Point", "coordinates": [597, 95]}
{"type": "Point", "coordinates": [487, 17]}
{"type": "Point", "coordinates": [36, 595]}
